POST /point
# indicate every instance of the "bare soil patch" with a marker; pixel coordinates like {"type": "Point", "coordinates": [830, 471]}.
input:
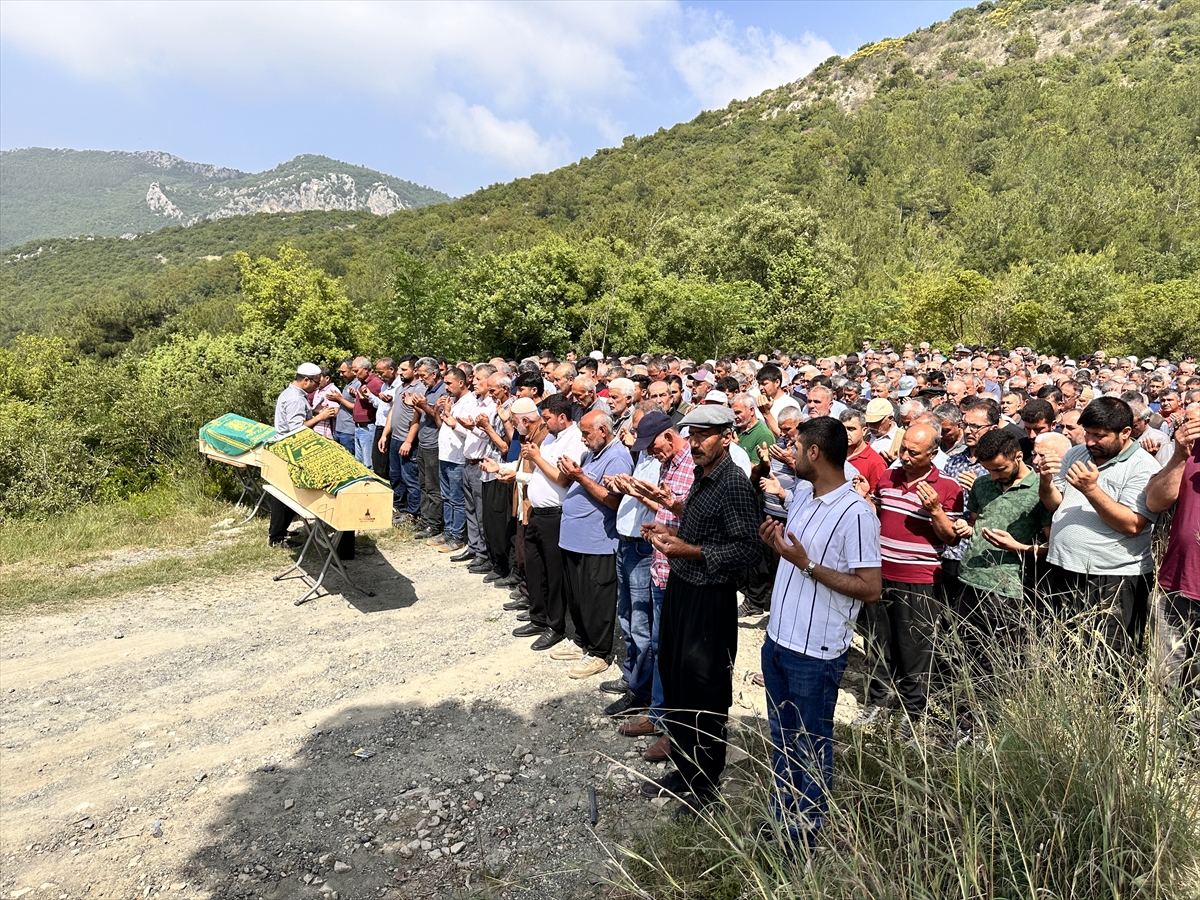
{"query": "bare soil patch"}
{"type": "Point", "coordinates": [209, 750]}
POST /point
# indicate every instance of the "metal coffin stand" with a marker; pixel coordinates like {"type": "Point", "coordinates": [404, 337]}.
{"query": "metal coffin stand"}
{"type": "Point", "coordinates": [365, 506]}
{"type": "Point", "coordinates": [240, 465]}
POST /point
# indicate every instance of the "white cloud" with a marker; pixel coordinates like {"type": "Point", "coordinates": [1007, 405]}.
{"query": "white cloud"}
{"type": "Point", "coordinates": [727, 66]}
{"type": "Point", "coordinates": [513, 51]}
{"type": "Point", "coordinates": [512, 142]}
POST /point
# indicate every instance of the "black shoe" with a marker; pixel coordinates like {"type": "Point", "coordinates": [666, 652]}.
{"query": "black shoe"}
{"type": "Point", "coordinates": [509, 581]}
{"type": "Point", "coordinates": [529, 630]}
{"type": "Point", "coordinates": [464, 556]}
{"type": "Point", "coordinates": [616, 686]}
{"type": "Point", "coordinates": [426, 533]}
{"type": "Point", "coordinates": [547, 640]}
{"type": "Point", "coordinates": [628, 705]}
{"type": "Point", "coordinates": [523, 616]}
{"type": "Point", "coordinates": [523, 603]}
{"type": "Point", "coordinates": [516, 594]}
{"type": "Point", "coordinates": [492, 577]}
{"type": "Point", "coordinates": [480, 567]}
{"type": "Point", "coordinates": [501, 585]}
{"type": "Point", "coordinates": [671, 783]}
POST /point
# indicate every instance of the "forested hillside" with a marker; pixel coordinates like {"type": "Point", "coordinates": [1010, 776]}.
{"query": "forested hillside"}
{"type": "Point", "coordinates": [1026, 172]}
{"type": "Point", "coordinates": [56, 193]}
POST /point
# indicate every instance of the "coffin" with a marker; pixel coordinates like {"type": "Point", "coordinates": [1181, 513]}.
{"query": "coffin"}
{"type": "Point", "coordinates": [360, 506]}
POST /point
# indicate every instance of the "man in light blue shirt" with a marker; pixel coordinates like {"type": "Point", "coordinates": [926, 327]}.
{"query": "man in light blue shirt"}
{"type": "Point", "coordinates": [588, 540]}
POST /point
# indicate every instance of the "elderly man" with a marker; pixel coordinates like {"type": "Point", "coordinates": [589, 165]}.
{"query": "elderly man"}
{"type": "Point", "coordinates": [1178, 621]}
{"type": "Point", "coordinates": [717, 538]}
{"type": "Point", "coordinates": [885, 433]}
{"type": "Point", "coordinates": [588, 540]}
{"type": "Point", "coordinates": [917, 505]}
{"type": "Point", "coordinates": [546, 492]}
{"type": "Point", "coordinates": [1100, 538]}
{"type": "Point", "coordinates": [293, 412]}
{"type": "Point", "coordinates": [366, 399]}
{"type": "Point", "coordinates": [620, 404]}
{"type": "Point", "coordinates": [584, 399]}
{"type": "Point", "coordinates": [476, 444]}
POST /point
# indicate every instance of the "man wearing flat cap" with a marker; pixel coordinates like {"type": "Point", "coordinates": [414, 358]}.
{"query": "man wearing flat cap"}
{"type": "Point", "coordinates": [293, 412]}
{"type": "Point", "coordinates": [717, 538]}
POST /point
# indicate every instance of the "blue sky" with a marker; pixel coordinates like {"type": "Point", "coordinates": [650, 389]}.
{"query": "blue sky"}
{"type": "Point", "coordinates": [455, 95]}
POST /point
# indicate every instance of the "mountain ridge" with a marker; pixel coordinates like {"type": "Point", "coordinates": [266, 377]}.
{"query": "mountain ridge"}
{"type": "Point", "coordinates": [58, 193]}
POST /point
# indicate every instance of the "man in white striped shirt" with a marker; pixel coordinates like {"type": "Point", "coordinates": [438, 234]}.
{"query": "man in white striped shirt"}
{"type": "Point", "coordinates": [829, 567]}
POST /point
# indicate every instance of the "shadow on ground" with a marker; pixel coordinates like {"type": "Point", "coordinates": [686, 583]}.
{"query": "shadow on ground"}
{"type": "Point", "coordinates": [456, 801]}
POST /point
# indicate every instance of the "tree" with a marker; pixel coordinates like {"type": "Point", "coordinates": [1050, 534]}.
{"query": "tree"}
{"type": "Point", "coordinates": [291, 295]}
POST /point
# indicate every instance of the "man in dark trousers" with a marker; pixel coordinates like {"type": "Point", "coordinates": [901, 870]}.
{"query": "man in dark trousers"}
{"type": "Point", "coordinates": [716, 540]}
{"type": "Point", "coordinates": [293, 412]}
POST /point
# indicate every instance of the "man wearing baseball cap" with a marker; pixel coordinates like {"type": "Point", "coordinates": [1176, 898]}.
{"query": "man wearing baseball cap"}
{"type": "Point", "coordinates": [716, 539]}
{"type": "Point", "coordinates": [885, 434]}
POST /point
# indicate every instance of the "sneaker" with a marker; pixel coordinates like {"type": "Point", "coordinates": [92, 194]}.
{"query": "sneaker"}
{"type": "Point", "coordinates": [437, 541]}
{"type": "Point", "coordinates": [746, 611]}
{"type": "Point", "coordinates": [567, 650]}
{"type": "Point", "coordinates": [616, 686]}
{"type": "Point", "coordinates": [450, 545]}
{"type": "Point", "coordinates": [589, 666]}
{"type": "Point", "coordinates": [871, 715]}
{"type": "Point", "coordinates": [671, 783]}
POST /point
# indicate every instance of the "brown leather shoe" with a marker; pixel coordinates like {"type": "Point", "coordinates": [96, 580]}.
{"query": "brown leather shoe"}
{"type": "Point", "coordinates": [659, 751]}
{"type": "Point", "coordinates": [638, 727]}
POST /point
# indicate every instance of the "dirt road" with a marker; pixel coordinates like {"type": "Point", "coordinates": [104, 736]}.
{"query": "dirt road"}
{"type": "Point", "coordinates": [198, 741]}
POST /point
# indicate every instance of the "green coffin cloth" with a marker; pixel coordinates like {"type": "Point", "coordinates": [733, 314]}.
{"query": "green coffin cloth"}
{"type": "Point", "coordinates": [320, 464]}
{"type": "Point", "coordinates": [234, 435]}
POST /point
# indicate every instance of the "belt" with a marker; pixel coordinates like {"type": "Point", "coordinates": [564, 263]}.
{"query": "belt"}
{"type": "Point", "coordinates": [546, 511]}
{"type": "Point", "coordinates": [473, 462]}
{"type": "Point", "coordinates": [633, 540]}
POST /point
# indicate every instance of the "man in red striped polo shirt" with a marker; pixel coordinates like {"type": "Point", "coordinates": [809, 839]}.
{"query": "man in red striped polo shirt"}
{"type": "Point", "coordinates": [917, 506]}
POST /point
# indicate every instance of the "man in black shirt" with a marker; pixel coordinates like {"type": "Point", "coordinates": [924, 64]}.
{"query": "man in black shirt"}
{"type": "Point", "coordinates": [716, 540]}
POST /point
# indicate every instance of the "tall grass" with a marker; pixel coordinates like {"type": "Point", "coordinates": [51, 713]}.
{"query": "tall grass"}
{"type": "Point", "coordinates": [1082, 780]}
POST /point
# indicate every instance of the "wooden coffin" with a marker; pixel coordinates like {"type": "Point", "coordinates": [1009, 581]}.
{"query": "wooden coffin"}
{"type": "Point", "coordinates": [252, 457]}
{"type": "Point", "coordinates": [362, 506]}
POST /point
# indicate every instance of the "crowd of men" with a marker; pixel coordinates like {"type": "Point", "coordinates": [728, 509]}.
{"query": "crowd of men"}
{"type": "Point", "coordinates": [893, 490]}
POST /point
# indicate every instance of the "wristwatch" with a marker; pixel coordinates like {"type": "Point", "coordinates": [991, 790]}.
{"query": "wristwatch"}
{"type": "Point", "coordinates": [809, 569]}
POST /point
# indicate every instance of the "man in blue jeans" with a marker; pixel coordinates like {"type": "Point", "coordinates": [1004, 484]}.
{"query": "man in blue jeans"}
{"type": "Point", "coordinates": [829, 567]}
{"type": "Point", "coordinates": [402, 426]}
{"type": "Point", "coordinates": [455, 412]}
{"type": "Point", "coordinates": [635, 601]}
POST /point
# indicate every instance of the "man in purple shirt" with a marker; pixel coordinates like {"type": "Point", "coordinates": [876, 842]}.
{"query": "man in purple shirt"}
{"type": "Point", "coordinates": [1178, 484]}
{"type": "Point", "coordinates": [588, 540]}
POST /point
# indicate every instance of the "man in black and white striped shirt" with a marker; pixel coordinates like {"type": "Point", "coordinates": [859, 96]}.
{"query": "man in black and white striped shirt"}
{"type": "Point", "coordinates": [829, 566]}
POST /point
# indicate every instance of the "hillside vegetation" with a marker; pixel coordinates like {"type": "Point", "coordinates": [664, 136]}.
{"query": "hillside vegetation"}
{"type": "Point", "coordinates": [58, 193]}
{"type": "Point", "coordinates": [1024, 173]}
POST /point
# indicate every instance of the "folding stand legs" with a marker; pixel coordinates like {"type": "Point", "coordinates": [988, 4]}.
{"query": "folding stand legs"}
{"type": "Point", "coordinates": [327, 539]}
